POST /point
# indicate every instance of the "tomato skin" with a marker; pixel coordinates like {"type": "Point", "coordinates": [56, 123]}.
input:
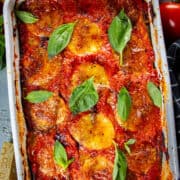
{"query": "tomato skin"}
{"type": "Point", "coordinates": [170, 15]}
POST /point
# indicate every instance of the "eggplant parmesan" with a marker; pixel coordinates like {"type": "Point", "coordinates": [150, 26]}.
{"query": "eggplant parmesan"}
{"type": "Point", "coordinates": [91, 95]}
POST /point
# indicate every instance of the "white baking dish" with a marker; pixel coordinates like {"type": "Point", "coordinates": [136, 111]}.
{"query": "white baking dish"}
{"type": "Point", "coordinates": [16, 113]}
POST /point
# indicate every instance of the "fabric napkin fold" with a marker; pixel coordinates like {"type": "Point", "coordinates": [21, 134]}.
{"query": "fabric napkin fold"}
{"type": "Point", "coordinates": [173, 57]}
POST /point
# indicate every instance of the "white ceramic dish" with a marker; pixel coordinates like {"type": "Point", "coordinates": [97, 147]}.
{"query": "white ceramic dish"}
{"type": "Point", "coordinates": [14, 90]}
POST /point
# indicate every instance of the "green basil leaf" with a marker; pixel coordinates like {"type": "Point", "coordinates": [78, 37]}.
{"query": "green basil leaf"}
{"type": "Point", "coordinates": [127, 148]}
{"type": "Point", "coordinates": [83, 97]}
{"type": "Point", "coordinates": [2, 57]}
{"type": "Point", "coordinates": [124, 104]}
{"type": "Point", "coordinates": [38, 96]}
{"type": "Point", "coordinates": [2, 40]}
{"type": "Point", "coordinates": [1, 29]}
{"type": "Point", "coordinates": [2, 52]}
{"type": "Point", "coordinates": [120, 165]}
{"type": "Point", "coordinates": [129, 142]}
{"type": "Point", "coordinates": [2, 45]}
{"type": "Point", "coordinates": [119, 33]}
{"type": "Point", "coordinates": [1, 20]}
{"type": "Point", "coordinates": [155, 94]}
{"type": "Point", "coordinates": [69, 162]}
{"type": "Point", "coordinates": [26, 17]}
{"type": "Point", "coordinates": [59, 39]}
{"type": "Point", "coordinates": [60, 155]}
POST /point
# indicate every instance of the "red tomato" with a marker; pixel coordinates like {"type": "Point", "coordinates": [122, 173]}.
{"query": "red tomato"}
{"type": "Point", "coordinates": [170, 15]}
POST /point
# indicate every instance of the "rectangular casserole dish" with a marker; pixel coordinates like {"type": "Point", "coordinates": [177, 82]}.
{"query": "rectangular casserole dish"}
{"type": "Point", "coordinates": [17, 118]}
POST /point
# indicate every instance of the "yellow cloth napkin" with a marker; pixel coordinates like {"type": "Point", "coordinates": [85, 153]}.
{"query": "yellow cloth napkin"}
{"type": "Point", "coordinates": [7, 162]}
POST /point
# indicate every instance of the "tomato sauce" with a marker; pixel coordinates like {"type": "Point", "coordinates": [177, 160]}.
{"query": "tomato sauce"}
{"type": "Point", "coordinates": [56, 74]}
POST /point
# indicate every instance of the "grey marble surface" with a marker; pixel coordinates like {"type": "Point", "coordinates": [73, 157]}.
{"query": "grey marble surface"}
{"type": "Point", "coordinates": [5, 127]}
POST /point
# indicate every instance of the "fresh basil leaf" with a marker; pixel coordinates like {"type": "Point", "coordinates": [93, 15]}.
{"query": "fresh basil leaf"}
{"type": "Point", "coordinates": [1, 29]}
{"type": "Point", "coordinates": [2, 45]}
{"type": "Point", "coordinates": [26, 17]}
{"type": "Point", "coordinates": [69, 162]}
{"type": "Point", "coordinates": [1, 20]}
{"type": "Point", "coordinates": [83, 97]}
{"type": "Point", "coordinates": [38, 96]}
{"type": "Point", "coordinates": [129, 142]}
{"type": "Point", "coordinates": [155, 94]}
{"type": "Point", "coordinates": [119, 33]}
{"type": "Point", "coordinates": [2, 58]}
{"type": "Point", "coordinates": [59, 39]}
{"type": "Point", "coordinates": [2, 51]}
{"type": "Point", "coordinates": [60, 155]}
{"type": "Point", "coordinates": [124, 104]}
{"type": "Point", "coordinates": [120, 165]}
{"type": "Point", "coordinates": [2, 40]}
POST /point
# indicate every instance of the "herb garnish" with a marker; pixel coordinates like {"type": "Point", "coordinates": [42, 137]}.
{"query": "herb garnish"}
{"type": "Point", "coordinates": [119, 33]}
{"type": "Point", "coordinates": [59, 39]}
{"type": "Point", "coordinates": [60, 155]}
{"type": "Point", "coordinates": [2, 45]}
{"type": "Point", "coordinates": [120, 165]}
{"type": "Point", "coordinates": [155, 94]}
{"type": "Point", "coordinates": [83, 97]}
{"type": "Point", "coordinates": [127, 143]}
{"type": "Point", "coordinates": [124, 104]}
{"type": "Point", "coordinates": [38, 96]}
{"type": "Point", "coordinates": [26, 17]}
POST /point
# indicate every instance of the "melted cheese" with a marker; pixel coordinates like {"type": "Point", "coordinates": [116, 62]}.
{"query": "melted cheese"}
{"type": "Point", "coordinates": [43, 115]}
{"type": "Point", "coordinates": [139, 110]}
{"type": "Point", "coordinates": [47, 72]}
{"type": "Point", "coordinates": [142, 159]}
{"type": "Point", "coordinates": [93, 132]}
{"type": "Point", "coordinates": [63, 112]}
{"type": "Point", "coordinates": [95, 166]}
{"type": "Point", "coordinates": [86, 38]}
{"type": "Point", "coordinates": [46, 24]}
{"type": "Point", "coordinates": [132, 122]}
{"type": "Point", "coordinates": [88, 70]}
{"type": "Point", "coordinates": [47, 165]}
{"type": "Point", "coordinates": [46, 162]}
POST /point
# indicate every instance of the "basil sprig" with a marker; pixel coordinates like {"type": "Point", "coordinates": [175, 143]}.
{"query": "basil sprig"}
{"type": "Point", "coordinates": [2, 45]}
{"type": "Point", "coordinates": [119, 33]}
{"type": "Point", "coordinates": [59, 39]}
{"type": "Point", "coordinates": [38, 96]}
{"type": "Point", "coordinates": [60, 155]}
{"type": "Point", "coordinates": [155, 94]}
{"type": "Point", "coordinates": [83, 97]}
{"type": "Point", "coordinates": [26, 17]}
{"type": "Point", "coordinates": [124, 104]}
{"type": "Point", "coordinates": [120, 165]}
{"type": "Point", "coordinates": [127, 143]}
{"type": "Point", "coordinates": [1, 20]}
